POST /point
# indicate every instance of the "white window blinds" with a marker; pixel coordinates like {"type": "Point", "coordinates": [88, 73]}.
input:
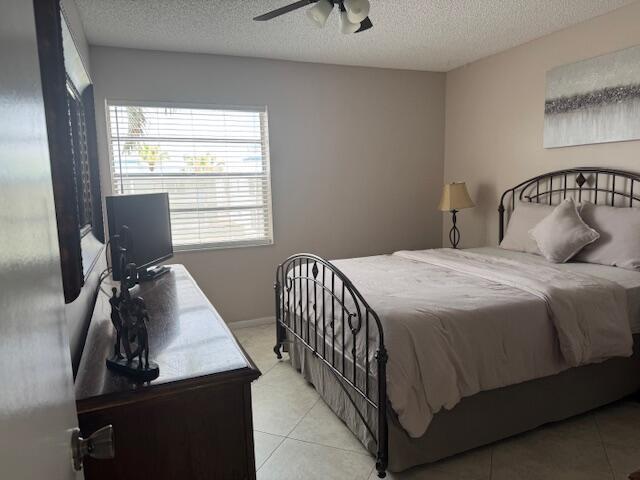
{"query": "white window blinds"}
{"type": "Point", "coordinates": [213, 162]}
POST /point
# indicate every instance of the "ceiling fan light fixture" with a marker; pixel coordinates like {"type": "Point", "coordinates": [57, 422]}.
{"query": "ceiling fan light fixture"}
{"type": "Point", "coordinates": [357, 10]}
{"type": "Point", "coordinates": [346, 26]}
{"type": "Point", "coordinates": [320, 12]}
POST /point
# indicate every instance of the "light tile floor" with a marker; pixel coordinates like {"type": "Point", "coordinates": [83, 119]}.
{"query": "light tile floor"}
{"type": "Point", "coordinates": [298, 437]}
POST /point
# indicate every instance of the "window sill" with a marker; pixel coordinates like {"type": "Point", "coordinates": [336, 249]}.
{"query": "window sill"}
{"type": "Point", "coordinates": [225, 246]}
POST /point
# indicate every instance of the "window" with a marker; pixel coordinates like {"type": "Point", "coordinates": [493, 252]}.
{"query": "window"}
{"type": "Point", "coordinates": [213, 162]}
{"type": "Point", "coordinates": [80, 157]}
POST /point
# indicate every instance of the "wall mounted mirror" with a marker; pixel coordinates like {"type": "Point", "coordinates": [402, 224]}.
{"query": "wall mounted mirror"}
{"type": "Point", "coordinates": [84, 151]}
{"type": "Point", "coordinates": [70, 113]}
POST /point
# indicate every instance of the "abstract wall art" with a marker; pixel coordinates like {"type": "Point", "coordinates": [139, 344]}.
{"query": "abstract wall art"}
{"type": "Point", "coordinates": [594, 101]}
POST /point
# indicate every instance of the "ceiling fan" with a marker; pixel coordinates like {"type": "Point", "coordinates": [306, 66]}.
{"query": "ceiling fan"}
{"type": "Point", "coordinates": [353, 13]}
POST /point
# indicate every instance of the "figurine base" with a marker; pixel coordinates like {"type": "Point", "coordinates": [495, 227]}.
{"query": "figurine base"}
{"type": "Point", "coordinates": [120, 365]}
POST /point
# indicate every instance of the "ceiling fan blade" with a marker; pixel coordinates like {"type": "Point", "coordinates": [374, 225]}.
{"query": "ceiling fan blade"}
{"type": "Point", "coordinates": [365, 25]}
{"type": "Point", "coordinates": [282, 10]}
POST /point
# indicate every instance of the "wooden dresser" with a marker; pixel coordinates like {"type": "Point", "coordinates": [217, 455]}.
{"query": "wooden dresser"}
{"type": "Point", "coordinates": [194, 421]}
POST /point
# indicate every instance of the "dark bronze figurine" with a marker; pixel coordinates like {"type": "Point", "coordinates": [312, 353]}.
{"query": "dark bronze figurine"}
{"type": "Point", "coordinates": [129, 317]}
{"type": "Point", "coordinates": [116, 321]}
{"type": "Point", "coordinates": [134, 329]}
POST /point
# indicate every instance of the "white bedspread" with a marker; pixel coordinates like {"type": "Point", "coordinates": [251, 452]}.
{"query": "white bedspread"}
{"type": "Point", "coordinates": [457, 323]}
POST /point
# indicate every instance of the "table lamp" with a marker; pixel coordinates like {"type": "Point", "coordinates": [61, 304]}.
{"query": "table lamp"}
{"type": "Point", "coordinates": [455, 197]}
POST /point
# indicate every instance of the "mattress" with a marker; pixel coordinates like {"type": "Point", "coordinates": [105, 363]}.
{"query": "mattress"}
{"type": "Point", "coordinates": [392, 288]}
{"type": "Point", "coordinates": [453, 328]}
{"type": "Point", "coordinates": [628, 279]}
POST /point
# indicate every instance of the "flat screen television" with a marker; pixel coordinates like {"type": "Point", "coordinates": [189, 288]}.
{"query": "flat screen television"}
{"type": "Point", "coordinates": [143, 226]}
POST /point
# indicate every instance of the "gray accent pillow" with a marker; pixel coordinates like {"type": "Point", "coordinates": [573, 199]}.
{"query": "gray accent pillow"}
{"type": "Point", "coordinates": [562, 233]}
{"type": "Point", "coordinates": [619, 243]}
{"type": "Point", "coordinates": [524, 217]}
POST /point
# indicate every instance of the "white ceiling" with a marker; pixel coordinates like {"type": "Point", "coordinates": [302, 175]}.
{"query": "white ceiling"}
{"type": "Point", "coordinates": [435, 35]}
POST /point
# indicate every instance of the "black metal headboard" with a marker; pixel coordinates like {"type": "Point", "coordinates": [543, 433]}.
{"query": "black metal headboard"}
{"type": "Point", "coordinates": [612, 187]}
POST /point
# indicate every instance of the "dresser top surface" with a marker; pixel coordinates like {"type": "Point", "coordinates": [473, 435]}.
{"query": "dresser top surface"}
{"type": "Point", "coordinates": [187, 339]}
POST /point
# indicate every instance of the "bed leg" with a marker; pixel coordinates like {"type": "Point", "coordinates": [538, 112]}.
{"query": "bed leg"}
{"type": "Point", "coordinates": [382, 458]}
{"type": "Point", "coordinates": [280, 333]}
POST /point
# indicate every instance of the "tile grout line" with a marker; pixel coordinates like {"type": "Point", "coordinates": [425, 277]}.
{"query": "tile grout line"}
{"type": "Point", "coordinates": [291, 438]}
{"type": "Point", "coordinates": [368, 455]}
{"type": "Point", "coordinates": [365, 453]}
{"type": "Point", "coordinates": [318, 443]}
{"type": "Point", "coordinates": [372, 470]}
{"type": "Point", "coordinates": [604, 447]}
{"type": "Point", "coordinates": [282, 439]}
{"type": "Point", "coordinates": [269, 433]}
{"type": "Point", "coordinates": [287, 436]}
{"type": "Point", "coordinates": [305, 414]}
{"type": "Point", "coordinates": [302, 418]}
{"type": "Point", "coordinates": [271, 368]}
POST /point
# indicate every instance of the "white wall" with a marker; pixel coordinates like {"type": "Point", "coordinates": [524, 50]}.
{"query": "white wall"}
{"type": "Point", "coordinates": [356, 157]}
{"type": "Point", "coordinates": [495, 118]}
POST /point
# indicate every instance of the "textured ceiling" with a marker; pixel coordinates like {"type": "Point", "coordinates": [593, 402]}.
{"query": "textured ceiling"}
{"type": "Point", "coordinates": [435, 35]}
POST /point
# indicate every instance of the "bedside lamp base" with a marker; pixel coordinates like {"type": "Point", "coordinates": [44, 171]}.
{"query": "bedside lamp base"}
{"type": "Point", "coordinates": [454, 233]}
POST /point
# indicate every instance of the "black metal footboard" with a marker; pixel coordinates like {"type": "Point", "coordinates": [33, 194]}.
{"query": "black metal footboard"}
{"type": "Point", "coordinates": [317, 305]}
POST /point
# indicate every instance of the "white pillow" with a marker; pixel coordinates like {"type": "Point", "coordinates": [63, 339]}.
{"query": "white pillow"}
{"type": "Point", "coordinates": [524, 217]}
{"type": "Point", "coordinates": [562, 233]}
{"type": "Point", "coordinates": [619, 243]}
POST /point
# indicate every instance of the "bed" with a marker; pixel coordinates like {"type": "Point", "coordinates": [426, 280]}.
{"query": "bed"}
{"type": "Point", "coordinates": [426, 354]}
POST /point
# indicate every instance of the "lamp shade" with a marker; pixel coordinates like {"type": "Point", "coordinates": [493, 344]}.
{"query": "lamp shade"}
{"type": "Point", "coordinates": [320, 12]}
{"type": "Point", "coordinates": [455, 197]}
{"type": "Point", "coordinates": [357, 10]}
{"type": "Point", "coordinates": [346, 26]}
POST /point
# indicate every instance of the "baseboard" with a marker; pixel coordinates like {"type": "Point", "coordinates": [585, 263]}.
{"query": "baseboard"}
{"type": "Point", "coordinates": [254, 322]}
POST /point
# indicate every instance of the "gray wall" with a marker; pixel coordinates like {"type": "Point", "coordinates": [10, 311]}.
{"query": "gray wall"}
{"type": "Point", "coordinates": [356, 157]}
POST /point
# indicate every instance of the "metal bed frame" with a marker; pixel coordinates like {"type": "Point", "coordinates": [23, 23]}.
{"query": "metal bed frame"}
{"type": "Point", "coordinates": [571, 180]}
{"type": "Point", "coordinates": [312, 279]}
{"type": "Point", "coordinates": [305, 276]}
